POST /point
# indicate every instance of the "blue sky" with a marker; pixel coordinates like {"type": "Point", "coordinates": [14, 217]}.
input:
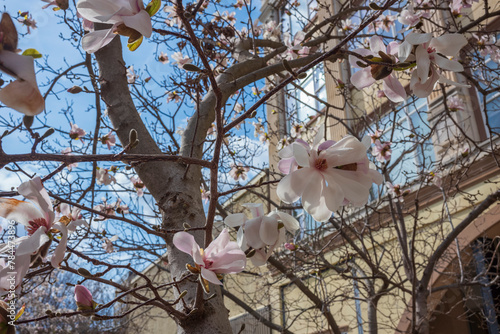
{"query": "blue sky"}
{"type": "Point", "coordinates": [59, 54]}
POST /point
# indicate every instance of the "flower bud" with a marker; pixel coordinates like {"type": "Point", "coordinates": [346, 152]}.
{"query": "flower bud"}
{"type": "Point", "coordinates": [84, 299]}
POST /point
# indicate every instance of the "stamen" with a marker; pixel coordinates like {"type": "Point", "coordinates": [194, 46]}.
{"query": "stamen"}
{"type": "Point", "coordinates": [35, 224]}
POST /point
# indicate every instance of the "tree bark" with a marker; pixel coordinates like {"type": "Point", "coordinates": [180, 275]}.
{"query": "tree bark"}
{"type": "Point", "coordinates": [174, 186]}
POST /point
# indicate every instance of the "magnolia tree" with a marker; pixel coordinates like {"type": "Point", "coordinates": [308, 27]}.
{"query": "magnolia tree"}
{"type": "Point", "coordinates": [124, 156]}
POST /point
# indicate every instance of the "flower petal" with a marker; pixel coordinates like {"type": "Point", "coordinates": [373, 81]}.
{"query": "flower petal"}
{"type": "Point", "coordinates": [449, 44]}
{"type": "Point", "coordinates": [362, 78]}
{"type": "Point", "coordinates": [393, 89]}
{"type": "Point", "coordinates": [290, 187]}
{"type": "Point", "coordinates": [219, 244]}
{"type": "Point", "coordinates": [252, 233]}
{"type": "Point", "coordinates": [58, 255]}
{"type": "Point", "coordinates": [257, 209]}
{"type": "Point", "coordinates": [210, 276]}
{"type": "Point", "coordinates": [140, 22]}
{"type": "Point", "coordinates": [333, 192]}
{"type": "Point", "coordinates": [423, 63]}
{"type": "Point", "coordinates": [33, 243]}
{"type": "Point", "coordinates": [291, 224]}
{"type": "Point", "coordinates": [269, 230]}
{"type": "Point", "coordinates": [353, 59]}
{"type": "Point", "coordinates": [95, 40]}
{"type": "Point", "coordinates": [20, 211]}
{"type": "Point", "coordinates": [377, 44]}
{"type": "Point", "coordinates": [300, 154]}
{"type": "Point", "coordinates": [417, 39]}
{"type": "Point", "coordinates": [425, 89]}
{"type": "Point", "coordinates": [185, 242]}
{"type": "Point", "coordinates": [35, 192]}
{"type": "Point", "coordinates": [447, 64]}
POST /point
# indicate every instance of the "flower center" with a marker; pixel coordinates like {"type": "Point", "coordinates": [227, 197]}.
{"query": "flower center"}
{"type": "Point", "coordinates": [35, 224]}
{"type": "Point", "coordinates": [321, 164]}
{"type": "Point", "coordinates": [431, 50]}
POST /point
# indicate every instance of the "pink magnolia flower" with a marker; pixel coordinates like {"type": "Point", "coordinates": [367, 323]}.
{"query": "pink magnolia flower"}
{"type": "Point", "coordinates": [59, 4]}
{"type": "Point", "coordinates": [430, 56]}
{"type": "Point", "coordinates": [409, 17]}
{"type": "Point", "coordinates": [386, 22]}
{"type": "Point", "coordinates": [131, 75]}
{"type": "Point", "coordinates": [205, 194]}
{"type": "Point", "coordinates": [238, 107]}
{"type": "Point", "coordinates": [109, 139]}
{"type": "Point", "coordinates": [264, 138]}
{"type": "Point", "coordinates": [295, 49]}
{"type": "Point", "coordinates": [238, 171]}
{"type": "Point", "coordinates": [326, 175]}
{"type": "Point", "coordinates": [70, 216]}
{"type": "Point", "coordinates": [272, 31]}
{"type": "Point", "coordinates": [240, 4]}
{"type": "Point", "coordinates": [262, 233]}
{"type": "Point", "coordinates": [107, 244]}
{"type": "Point", "coordinates": [376, 136]}
{"type": "Point", "coordinates": [163, 58]}
{"type": "Point", "coordinates": [173, 96]}
{"type": "Point", "coordinates": [367, 76]}
{"type": "Point", "coordinates": [39, 220]}
{"type": "Point", "coordinates": [83, 298]}
{"type": "Point", "coordinates": [106, 208]}
{"type": "Point", "coordinates": [128, 17]}
{"type": "Point", "coordinates": [21, 94]}
{"type": "Point", "coordinates": [291, 246]}
{"type": "Point", "coordinates": [76, 133]}
{"type": "Point", "coordinates": [181, 60]}
{"type": "Point", "coordinates": [21, 265]}
{"type": "Point", "coordinates": [122, 209]}
{"type": "Point", "coordinates": [456, 7]}
{"type": "Point", "coordinates": [259, 127]}
{"type": "Point", "coordinates": [455, 103]}
{"type": "Point", "coordinates": [27, 20]}
{"type": "Point", "coordinates": [382, 151]}
{"type": "Point", "coordinates": [297, 129]}
{"type": "Point", "coordinates": [104, 177]}
{"type": "Point", "coordinates": [220, 257]}
{"type": "Point", "coordinates": [172, 18]}
{"type": "Point", "coordinates": [347, 25]}
{"type": "Point", "coordinates": [138, 185]}
{"type": "Point", "coordinates": [396, 192]}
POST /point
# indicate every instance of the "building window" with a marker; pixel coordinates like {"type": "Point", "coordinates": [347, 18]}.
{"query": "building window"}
{"type": "Point", "coordinates": [296, 15]}
{"type": "Point", "coordinates": [303, 99]}
{"type": "Point", "coordinates": [409, 132]}
{"type": "Point", "coordinates": [491, 103]}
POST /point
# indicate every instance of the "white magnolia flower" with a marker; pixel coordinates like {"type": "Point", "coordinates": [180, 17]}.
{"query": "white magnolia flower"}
{"type": "Point", "coordinates": [107, 244]}
{"type": "Point", "coordinates": [431, 55]}
{"type": "Point", "coordinates": [128, 17]}
{"type": "Point", "coordinates": [180, 59]}
{"type": "Point", "coordinates": [39, 220]}
{"type": "Point", "coordinates": [326, 175]}
{"type": "Point", "coordinates": [22, 94]}
{"type": "Point", "coordinates": [104, 177]}
{"type": "Point", "coordinates": [263, 233]}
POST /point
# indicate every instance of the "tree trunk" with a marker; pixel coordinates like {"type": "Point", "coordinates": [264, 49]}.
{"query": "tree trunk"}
{"type": "Point", "coordinates": [421, 316]}
{"type": "Point", "coordinates": [175, 187]}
